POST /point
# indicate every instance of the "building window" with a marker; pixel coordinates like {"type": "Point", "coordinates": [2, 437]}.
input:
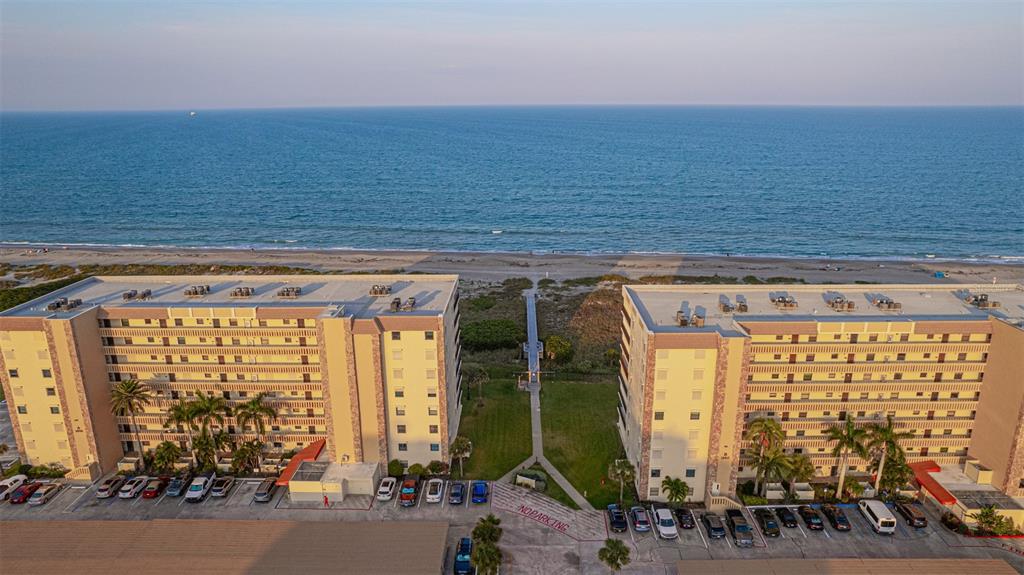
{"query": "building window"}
{"type": "Point", "coordinates": [12, 372]}
{"type": "Point", "coordinates": [400, 393]}
{"type": "Point", "coordinates": [653, 491]}
{"type": "Point", "coordinates": [22, 409]}
{"type": "Point", "coordinates": [691, 472]}
{"type": "Point", "coordinates": [397, 373]}
{"type": "Point", "coordinates": [435, 447]}
{"type": "Point", "coordinates": [691, 454]}
{"type": "Point", "coordinates": [428, 335]}
{"type": "Point", "coordinates": [431, 411]}
{"type": "Point", "coordinates": [401, 428]}
{"type": "Point", "coordinates": [434, 429]}
{"type": "Point", "coordinates": [432, 392]}
{"type": "Point", "coordinates": [178, 322]}
{"type": "Point", "coordinates": [51, 391]}
{"type": "Point", "coordinates": [694, 416]}
{"type": "Point", "coordinates": [655, 473]}
{"type": "Point", "coordinates": [659, 415]}
{"type": "Point", "coordinates": [696, 395]}
{"type": "Point", "coordinates": [396, 354]}
{"type": "Point", "coordinates": [399, 411]}
{"type": "Point", "coordinates": [698, 374]}
{"type": "Point", "coordinates": [54, 410]}
{"type": "Point", "coordinates": [403, 447]}
{"type": "Point", "coordinates": [396, 336]}
{"type": "Point", "coordinates": [47, 373]}
{"type": "Point", "coordinates": [431, 374]}
{"type": "Point", "coordinates": [694, 434]}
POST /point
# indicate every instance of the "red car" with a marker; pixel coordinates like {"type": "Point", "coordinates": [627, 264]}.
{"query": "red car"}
{"type": "Point", "coordinates": [407, 495]}
{"type": "Point", "coordinates": [155, 487]}
{"type": "Point", "coordinates": [22, 493]}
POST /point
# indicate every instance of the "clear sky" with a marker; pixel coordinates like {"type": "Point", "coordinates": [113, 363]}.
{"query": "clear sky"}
{"type": "Point", "coordinates": [157, 54]}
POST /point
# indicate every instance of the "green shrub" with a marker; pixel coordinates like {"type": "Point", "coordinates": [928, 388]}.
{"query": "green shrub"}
{"type": "Point", "coordinates": [491, 334]}
{"type": "Point", "coordinates": [558, 348]}
{"type": "Point", "coordinates": [395, 468]}
{"type": "Point", "coordinates": [436, 467]}
{"type": "Point", "coordinates": [50, 470]}
{"type": "Point", "coordinates": [417, 469]}
{"type": "Point", "coordinates": [481, 303]}
{"type": "Point", "coordinates": [546, 283]}
{"type": "Point", "coordinates": [753, 499]}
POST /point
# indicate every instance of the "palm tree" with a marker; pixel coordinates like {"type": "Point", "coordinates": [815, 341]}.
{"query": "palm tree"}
{"type": "Point", "coordinates": [478, 376]}
{"type": "Point", "coordinates": [210, 409]}
{"type": "Point", "coordinates": [676, 490]}
{"type": "Point", "coordinates": [771, 467]}
{"type": "Point", "coordinates": [487, 530]}
{"type": "Point", "coordinates": [883, 438]}
{"type": "Point", "coordinates": [184, 414]}
{"type": "Point", "coordinates": [258, 414]}
{"type": "Point", "coordinates": [614, 554]}
{"type": "Point", "coordinates": [205, 449]}
{"type": "Point", "coordinates": [764, 434]}
{"type": "Point", "coordinates": [460, 449]}
{"type": "Point", "coordinates": [486, 557]}
{"type": "Point", "coordinates": [166, 455]}
{"type": "Point", "coordinates": [129, 397]}
{"type": "Point", "coordinates": [800, 469]}
{"type": "Point", "coordinates": [247, 457]}
{"type": "Point", "coordinates": [621, 470]}
{"type": "Point", "coordinates": [849, 439]}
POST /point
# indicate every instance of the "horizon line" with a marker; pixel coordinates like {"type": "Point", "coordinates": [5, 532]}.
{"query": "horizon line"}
{"type": "Point", "coordinates": [494, 106]}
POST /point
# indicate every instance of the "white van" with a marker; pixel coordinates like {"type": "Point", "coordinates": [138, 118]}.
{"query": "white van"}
{"type": "Point", "coordinates": [878, 515]}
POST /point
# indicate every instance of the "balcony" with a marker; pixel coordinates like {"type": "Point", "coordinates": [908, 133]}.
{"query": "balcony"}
{"type": "Point", "coordinates": [211, 349]}
{"type": "Point", "coordinates": [135, 368]}
{"type": "Point", "coordinates": [197, 331]}
{"type": "Point", "coordinates": [883, 347]}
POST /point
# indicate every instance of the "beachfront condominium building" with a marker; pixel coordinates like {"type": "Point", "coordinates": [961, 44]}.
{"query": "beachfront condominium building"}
{"type": "Point", "coordinates": [699, 363]}
{"type": "Point", "coordinates": [368, 363]}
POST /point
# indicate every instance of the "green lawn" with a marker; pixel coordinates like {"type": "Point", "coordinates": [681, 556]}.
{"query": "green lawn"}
{"type": "Point", "coordinates": [580, 437]}
{"type": "Point", "coordinates": [500, 430]}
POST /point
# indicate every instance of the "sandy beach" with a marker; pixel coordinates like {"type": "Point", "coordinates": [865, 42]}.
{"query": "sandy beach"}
{"type": "Point", "coordinates": [497, 266]}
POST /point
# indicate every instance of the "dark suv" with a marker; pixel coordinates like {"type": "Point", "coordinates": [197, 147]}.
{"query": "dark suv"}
{"type": "Point", "coordinates": [766, 520]}
{"type": "Point", "coordinates": [714, 526]}
{"type": "Point", "coordinates": [836, 517]}
{"type": "Point", "coordinates": [684, 517]}
{"type": "Point", "coordinates": [786, 516]}
{"type": "Point", "coordinates": [742, 533]}
{"type": "Point", "coordinates": [913, 514]}
{"type": "Point", "coordinates": [811, 518]}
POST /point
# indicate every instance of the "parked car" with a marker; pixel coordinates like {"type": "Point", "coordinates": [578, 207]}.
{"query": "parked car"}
{"type": "Point", "coordinates": [7, 486]}
{"type": "Point", "coordinates": [132, 487]}
{"type": "Point", "coordinates": [200, 488]}
{"type": "Point", "coordinates": [742, 533]}
{"type": "Point", "coordinates": [617, 519]}
{"type": "Point", "coordinates": [638, 516]}
{"type": "Point", "coordinates": [463, 566]}
{"type": "Point", "coordinates": [265, 492]}
{"type": "Point", "coordinates": [714, 526]}
{"type": "Point", "coordinates": [810, 517]}
{"type": "Point", "coordinates": [665, 524]}
{"type": "Point", "coordinates": [481, 491]}
{"type": "Point", "coordinates": [386, 489]}
{"type": "Point", "coordinates": [407, 494]}
{"type": "Point", "coordinates": [222, 486]}
{"type": "Point", "coordinates": [766, 520]}
{"type": "Point", "coordinates": [836, 517]}
{"type": "Point", "coordinates": [913, 514]}
{"type": "Point", "coordinates": [786, 516]}
{"type": "Point", "coordinates": [179, 485]}
{"type": "Point", "coordinates": [154, 487]}
{"type": "Point", "coordinates": [45, 493]}
{"type": "Point", "coordinates": [684, 517]}
{"type": "Point", "coordinates": [109, 487]}
{"type": "Point", "coordinates": [435, 490]}
{"type": "Point", "coordinates": [457, 493]}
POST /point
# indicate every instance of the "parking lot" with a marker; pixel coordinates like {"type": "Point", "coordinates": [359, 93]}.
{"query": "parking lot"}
{"type": "Point", "coordinates": [80, 502]}
{"type": "Point", "coordinates": [800, 542]}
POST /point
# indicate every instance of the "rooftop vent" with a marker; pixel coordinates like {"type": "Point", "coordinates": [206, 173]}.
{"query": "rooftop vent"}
{"type": "Point", "coordinates": [726, 307]}
{"type": "Point", "coordinates": [198, 291]}
{"type": "Point", "coordinates": [63, 304]}
{"type": "Point", "coordinates": [692, 320]}
{"type": "Point", "coordinates": [289, 292]}
{"type": "Point", "coordinates": [409, 304]}
{"type": "Point", "coordinates": [132, 295]}
{"type": "Point", "coordinates": [886, 304]}
{"type": "Point", "coordinates": [380, 290]}
{"type": "Point", "coordinates": [396, 304]}
{"type": "Point", "coordinates": [243, 292]}
{"type": "Point", "coordinates": [981, 301]}
{"type": "Point", "coordinates": [741, 304]}
{"type": "Point", "coordinates": [840, 303]}
{"type": "Point", "coordinates": [784, 301]}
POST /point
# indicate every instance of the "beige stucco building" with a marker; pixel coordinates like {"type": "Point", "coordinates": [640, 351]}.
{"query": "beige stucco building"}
{"type": "Point", "coordinates": [698, 362]}
{"type": "Point", "coordinates": [369, 363]}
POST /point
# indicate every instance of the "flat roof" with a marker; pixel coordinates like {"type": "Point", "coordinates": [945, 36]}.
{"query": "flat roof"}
{"type": "Point", "coordinates": [658, 304]}
{"type": "Point", "coordinates": [890, 566]}
{"type": "Point", "coordinates": [175, 546]}
{"type": "Point", "coordinates": [351, 292]}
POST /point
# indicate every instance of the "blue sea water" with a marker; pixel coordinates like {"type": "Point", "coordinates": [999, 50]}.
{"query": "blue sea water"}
{"type": "Point", "coordinates": [847, 182]}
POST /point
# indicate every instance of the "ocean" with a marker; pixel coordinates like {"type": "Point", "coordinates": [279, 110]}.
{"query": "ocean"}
{"type": "Point", "coordinates": [797, 182]}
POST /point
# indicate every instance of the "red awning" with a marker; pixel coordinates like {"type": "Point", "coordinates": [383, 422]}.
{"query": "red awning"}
{"type": "Point", "coordinates": [923, 473]}
{"type": "Point", "coordinates": [308, 453]}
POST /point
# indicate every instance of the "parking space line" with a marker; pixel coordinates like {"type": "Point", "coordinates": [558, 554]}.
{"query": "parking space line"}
{"type": "Point", "coordinates": [727, 540]}
{"type": "Point", "coordinates": [161, 500]}
{"type": "Point", "coordinates": [75, 502]}
{"type": "Point", "coordinates": [137, 498]}
{"type": "Point", "coordinates": [234, 491]}
{"type": "Point", "coordinates": [757, 526]}
{"type": "Point", "coordinates": [802, 532]}
{"type": "Point", "coordinates": [704, 541]}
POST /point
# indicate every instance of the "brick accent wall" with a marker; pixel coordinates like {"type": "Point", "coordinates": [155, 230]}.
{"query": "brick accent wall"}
{"type": "Point", "coordinates": [382, 421]}
{"type": "Point", "coordinates": [643, 473]}
{"type": "Point", "coordinates": [58, 381]}
{"type": "Point", "coordinates": [353, 396]}
{"type": "Point", "coordinates": [83, 403]}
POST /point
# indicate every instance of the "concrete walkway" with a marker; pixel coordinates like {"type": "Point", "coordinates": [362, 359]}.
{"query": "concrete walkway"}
{"type": "Point", "coordinates": [533, 363]}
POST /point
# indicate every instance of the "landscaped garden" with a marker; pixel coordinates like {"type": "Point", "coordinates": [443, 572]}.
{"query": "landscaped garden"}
{"type": "Point", "coordinates": [499, 429]}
